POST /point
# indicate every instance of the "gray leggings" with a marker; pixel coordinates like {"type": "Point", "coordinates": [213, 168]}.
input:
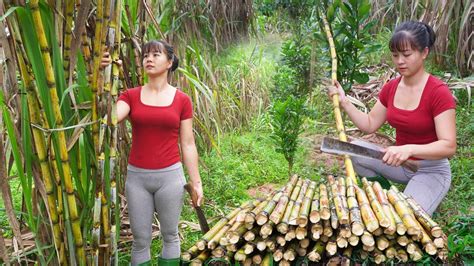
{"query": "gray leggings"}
{"type": "Point", "coordinates": [427, 186]}
{"type": "Point", "coordinates": [148, 191]}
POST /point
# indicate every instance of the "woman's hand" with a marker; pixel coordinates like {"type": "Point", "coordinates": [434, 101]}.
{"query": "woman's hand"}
{"type": "Point", "coordinates": [105, 60]}
{"type": "Point", "coordinates": [396, 155]}
{"type": "Point", "coordinates": [197, 187]}
{"type": "Point", "coordinates": [336, 88]}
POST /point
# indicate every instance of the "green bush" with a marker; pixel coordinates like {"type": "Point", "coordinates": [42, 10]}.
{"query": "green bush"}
{"type": "Point", "coordinates": [287, 120]}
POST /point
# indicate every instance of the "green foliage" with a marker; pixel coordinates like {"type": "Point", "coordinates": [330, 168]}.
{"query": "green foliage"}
{"type": "Point", "coordinates": [352, 38]}
{"type": "Point", "coordinates": [287, 119]}
{"type": "Point", "coordinates": [461, 239]}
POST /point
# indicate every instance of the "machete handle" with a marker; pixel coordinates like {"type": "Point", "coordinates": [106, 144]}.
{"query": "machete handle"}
{"type": "Point", "coordinates": [411, 165]}
{"type": "Point", "coordinates": [192, 193]}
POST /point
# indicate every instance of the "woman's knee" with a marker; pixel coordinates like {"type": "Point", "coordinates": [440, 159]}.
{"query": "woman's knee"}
{"type": "Point", "coordinates": [141, 241]}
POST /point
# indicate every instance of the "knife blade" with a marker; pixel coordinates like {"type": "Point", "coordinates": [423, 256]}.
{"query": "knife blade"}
{"type": "Point", "coordinates": [200, 214]}
{"type": "Point", "coordinates": [335, 146]}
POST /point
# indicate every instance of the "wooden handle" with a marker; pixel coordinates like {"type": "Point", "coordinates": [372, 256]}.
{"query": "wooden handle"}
{"type": "Point", "coordinates": [411, 165]}
{"type": "Point", "coordinates": [192, 193]}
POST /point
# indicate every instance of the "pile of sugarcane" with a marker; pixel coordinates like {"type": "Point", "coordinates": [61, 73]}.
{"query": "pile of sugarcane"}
{"type": "Point", "coordinates": [321, 221]}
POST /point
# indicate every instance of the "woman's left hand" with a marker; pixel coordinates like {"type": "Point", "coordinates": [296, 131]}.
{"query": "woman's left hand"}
{"type": "Point", "coordinates": [197, 187]}
{"type": "Point", "coordinates": [396, 155]}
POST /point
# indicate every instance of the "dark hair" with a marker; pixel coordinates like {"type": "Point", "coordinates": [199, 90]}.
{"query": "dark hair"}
{"type": "Point", "coordinates": [414, 34]}
{"type": "Point", "coordinates": [161, 46]}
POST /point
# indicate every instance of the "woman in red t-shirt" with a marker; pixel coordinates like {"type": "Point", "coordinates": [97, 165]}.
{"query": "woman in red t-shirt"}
{"type": "Point", "coordinates": [161, 118]}
{"type": "Point", "coordinates": [421, 109]}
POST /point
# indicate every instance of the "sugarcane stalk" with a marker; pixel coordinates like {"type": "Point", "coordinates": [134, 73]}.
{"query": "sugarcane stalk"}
{"type": "Point", "coordinates": [302, 219]}
{"type": "Point", "coordinates": [402, 255]}
{"type": "Point", "coordinates": [390, 252]}
{"type": "Point", "coordinates": [250, 217]}
{"type": "Point", "coordinates": [260, 244]}
{"type": "Point", "coordinates": [201, 258]}
{"type": "Point", "coordinates": [404, 212]}
{"type": "Point", "coordinates": [240, 255]}
{"type": "Point", "coordinates": [267, 229]}
{"type": "Point", "coordinates": [291, 234]}
{"type": "Point", "coordinates": [316, 252]}
{"type": "Point", "coordinates": [423, 217]}
{"type": "Point", "coordinates": [327, 228]}
{"type": "Point", "coordinates": [353, 240]}
{"type": "Point", "coordinates": [325, 212]}
{"type": "Point", "coordinates": [301, 232]}
{"type": "Point", "coordinates": [331, 246]}
{"type": "Point", "coordinates": [379, 256]}
{"type": "Point", "coordinates": [214, 241]}
{"type": "Point", "coordinates": [270, 243]}
{"type": "Point", "coordinates": [402, 240]}
{"type": "Point", "coordinates": [73, 213]}
{"type": "Point", "coordinates": [282, 227]}
{"type": "Point", "coordinates": [218, 252]}
{"type": "Point", "coordinates": [382, 242]}
{"type": "Point", "coordinates": [69, 12]}
{"type": "Point", "coordinates": [257, 259]}
{"type": "Point", "coordinates": [401, 228]}
{"type": "Point", "coordinates": [267, 260]}
{"type": "Point", "coordinates": [316, 230]}
{"type": "Point", "coordinates": [262, 217]}
{"type": "Point", "coordinates": [290, 252]}
{"type": "Point", "coordinates": [236, 235]}
{"type": "Point", "coordinates": [221, 223]}
{"type": "Point", "coordinates": [367, 239]}
{"type": "Point", "coordinates": [40, 145]}
{"type": "Point", "coordinates": [338, 201]}
{"type": "Point", "coordinates": [345, 231]}
{"type": "Point", "coordinates": [189, 254]}
{"type": "Point", "coordinates": [375, 204]}
{"type": "Point", "coordinates": [357, 226]}
{"type": "Point", "coordinates": [281, 241]}
{"type": "Point", "coordinates": [314, 215]}
{"type": "Point", "coordinates": [251, 234]}
{"type": "Point", "coordinates": [296, 208]}
{"type": "Point", "coordinates": [335, 100]}
{"type": "Point", "coordinates": [368, 216]}
{"type": "Point", "coordinates": [332, 208]}
{"type": "Point", "coordinates": [382, 198]}
{"type": "Point", "coordinates": [341, 241]}
{"type": "Point", "coordinates": [278, 254]}
{"type": "Point", "coordinates": [304, 243]}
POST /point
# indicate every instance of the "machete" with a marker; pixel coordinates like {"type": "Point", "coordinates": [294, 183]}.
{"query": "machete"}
{"type": "Point", "coordinates": [335, 146]}
{"type": "Point", "coordinates": [200, 214]}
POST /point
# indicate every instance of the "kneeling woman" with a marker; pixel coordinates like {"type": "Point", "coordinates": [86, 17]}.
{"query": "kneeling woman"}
{"type": "Point", "coordinates": [421, 109]}
{"type": "Point", "coordinates": [161, 116]}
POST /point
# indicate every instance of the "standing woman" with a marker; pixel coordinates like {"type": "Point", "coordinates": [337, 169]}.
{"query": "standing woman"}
{"type": "Point", "coordinates": [161, 118]}
{"type": "Point", "coordinates": [421, 109]}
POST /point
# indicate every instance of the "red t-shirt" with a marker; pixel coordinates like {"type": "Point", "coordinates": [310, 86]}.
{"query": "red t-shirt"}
{"type": "Point", "coordinates": [417, 126]}
{"type": "Point", "coordinates": [155, 129]}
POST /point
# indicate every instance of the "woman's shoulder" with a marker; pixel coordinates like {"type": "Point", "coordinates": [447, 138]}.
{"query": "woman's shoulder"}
{"type": "Point", "coordinates": [435, 82]}
{"type": "Point", "coordinates": [181, 95]}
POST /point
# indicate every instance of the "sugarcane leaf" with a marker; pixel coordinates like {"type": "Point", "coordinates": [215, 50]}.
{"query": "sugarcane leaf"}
{"type": "Point", "coordinates": [8, 13]}
{"type": "Point", "coordinates": [18, 160]}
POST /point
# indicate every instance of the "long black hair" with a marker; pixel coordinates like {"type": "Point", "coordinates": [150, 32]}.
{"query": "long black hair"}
{"type": "Point", "coordinates": [414, 34]}
{"type": "Point", "coordinates": [162, 46]}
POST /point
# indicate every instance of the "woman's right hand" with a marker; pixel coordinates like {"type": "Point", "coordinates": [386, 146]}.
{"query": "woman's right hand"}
{"type": "Point", "coordinates": [336, 88]}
